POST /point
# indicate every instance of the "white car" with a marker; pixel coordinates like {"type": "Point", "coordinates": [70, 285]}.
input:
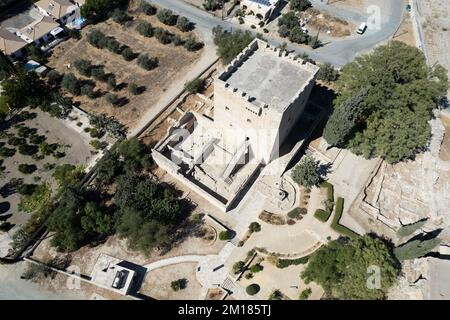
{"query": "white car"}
{"type": "Point", "coordinates": [362, 28]}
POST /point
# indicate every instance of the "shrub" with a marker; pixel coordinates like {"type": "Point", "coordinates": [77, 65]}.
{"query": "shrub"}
{"type": "Point", "coordinates": [98, 145]}
{"type": "Point", "coordinates": [15, 141]}
{"type": "Point", "coordinates": [111, 81]}
{"type": "Point", "coordinates": [284, 263]}
{"type": "Point", "coordinates": [83, 66]}
{"type": "Point", "coordinates": [330, 190]}
{"type": "Point", "coordinates": [97, 38]}
{"type": "Point", "coordinates": [256, 268]}
{"type": "Point", "coordinates": [294, 213]}
{"type": "Point", "coordinates": [304, 295]}
{"type": "Point", "coordinates": [54, 77]}
{"type": "Point", "coordinates": [144, 28]}
{"type": "Point", "coordinates": [146, 62]}
{"type": "Point", "coordinates": [128, 54]}
{"type": "Point", "coordinates": [238, 267]}
{"type": "Point", "coordinates": [71, 84]}
{"type": "Point", "coordinates": [26, 189]}
{"type": "Point", "coordinates": [254, 227]}
{"type": "Point", "coordinates": [37, 139]}
{"type": "Point", "coordinates": [87, 90]}
{"type": "Point", "coordinates": [195, 85]}
{"type": "Point", "coordinates": [167, 17]}
{"type": "Point", "coordinates": [27, 168]}
{"type": "Point", "coordinates": [112, 99]}
{"type": "Point", "coordinates": [99, 74]}
{"type": "Point", "coordinates": [95, 133]}
{"type": "Point", "coordinates": [135, 89]}
{"type": "Point", "coordinates": [300, 5]}
{"type": "Point", "coordinates": [191, 44]}
{"type": "Point", "coordinates": [337, 217]}
{"type": "Point", "coordinates": [28, 149]}
{"type": "Point", "coordinates": [283, 31]}
{"type": "Point", "coordinates": [252, 289]}
{"type": "Point", "coordinates": [184, 24]}
{"type": "Point", "coordinates": [26, 115]}
{"type": "Point", "coordinates": [177, 40]}
{"type": "Point", "coordinates": [7, 152]}
{"type": "Point", "coordinates": [163, 35]}
{"type": "Point", "coordinates": [120, 16]}
{"type": "Point", "coordinates": [327, 73]}
{"type": "Point", "coordinates": [147, 8]}
{"type": "Point", "coordinates": [306, 173]}
{"type": "Point", "coordinates": [409, 229]}
{"type": "Point", "coordinates": [179, 284]}
{"type": "Point", "coordinates": [248, 275]}
{"type": "Point", "coordinates": [322, 215]}
{"type": "Point", "coordinates": [225, 235]}
{"type": "Point", "coordinates": [113, 45]}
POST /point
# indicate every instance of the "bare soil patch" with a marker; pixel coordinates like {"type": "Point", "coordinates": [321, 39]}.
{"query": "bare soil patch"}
{"type": "Point", "coordinates": [157, 282]}
{"type": "Point", "coordinates": [173, 63]}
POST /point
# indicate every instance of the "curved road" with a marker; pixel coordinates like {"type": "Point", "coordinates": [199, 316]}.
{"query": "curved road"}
{"type": "Point", "coordinates": [337, 53]}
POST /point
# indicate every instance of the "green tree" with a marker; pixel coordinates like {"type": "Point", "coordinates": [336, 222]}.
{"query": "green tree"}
{"type": "Point", "coordinates": [67, 175]}
{"type": "Point", "coordinates": [37, 199]}
{"type": "Point", "coordinates": [184, 24]}
{"type": "Point", "coordinates": [230, 44]}
{"type": "Point", "coordinates": [146, 62]}
{"type": "Point", "coordinates": [306, 173]}
{"type": "Point", "coordinates": [416, 249]}
{"type": "Point", "coordinates": [327, 73]}
{"type": "Point", "coordinates": [96, 220]}
{"type": "Point", "coordinates": [341, 267]}
{"type": "Point", "coordinates": [71, 84]}
{"type": "Point", "coordinates": [300, 5]}
{"type": "Point", "coordinates": [195, 85]}
{"type": "Point", "coordinates": [402, 92]}
{"type": "Point", "coordinates": [297, 35]}
{"type": "Point", "coordinates": [147, 8]}
{"type": "Point", "coordinates": [344, 119]}
{"type": "Point", "coordinates": [254, 227]}
{"type": "Point", "coordinates": [141, 233]}
{"type": "Point", "coordinates": [145, 28]}
{"type": "Point", "coordinates": [167, 17]}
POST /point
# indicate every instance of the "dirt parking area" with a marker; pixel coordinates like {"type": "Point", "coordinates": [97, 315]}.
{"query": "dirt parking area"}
{"type": "Point", "coordinates": [174, 62]}
{"type": "Point", "coordinates": [157, 282]}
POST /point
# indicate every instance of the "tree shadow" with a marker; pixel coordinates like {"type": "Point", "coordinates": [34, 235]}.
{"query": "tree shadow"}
{"type": "Point", "coordinates": [4, 207]}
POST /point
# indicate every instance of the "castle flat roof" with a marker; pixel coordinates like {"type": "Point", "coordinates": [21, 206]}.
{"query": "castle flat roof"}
{"type": "Point", "coordinates": [269, 78]}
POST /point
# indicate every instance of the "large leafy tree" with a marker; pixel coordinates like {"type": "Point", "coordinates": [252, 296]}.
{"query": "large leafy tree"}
{"type": "Point", "coordinates": [141, 233]}
{"type": "Point", "coordinates": [342, 268]}
{"type": "Point", "coordinates": [307, 173]}
{"type": "Point", "coordinates": [24, 89]}
{"type": "Point", "coordinates": [95, 9]}
{"type": "Point", "coordinates": [402, 92]}
{"type": "Point", "coordinates": [143, 195]}
{"type": "Point", "coordinates": [343, 120]}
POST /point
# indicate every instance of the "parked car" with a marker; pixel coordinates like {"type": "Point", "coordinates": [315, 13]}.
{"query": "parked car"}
{"type": "Point", "coordinates": [362, 28]}
{"type": "Point", "coordinates": [34, 66]}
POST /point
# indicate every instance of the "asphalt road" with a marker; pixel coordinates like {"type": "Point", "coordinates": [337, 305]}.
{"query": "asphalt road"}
{"type": "Point", "coordinates": [337, 53]}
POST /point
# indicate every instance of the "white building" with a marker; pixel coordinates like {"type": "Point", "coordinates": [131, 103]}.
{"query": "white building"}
{"type": "Point", "coordinates": [63, 11]}
{"type": "Point", "coordinates": [257, 11]}
{"type": "Point", "coordinates": [258, 100]}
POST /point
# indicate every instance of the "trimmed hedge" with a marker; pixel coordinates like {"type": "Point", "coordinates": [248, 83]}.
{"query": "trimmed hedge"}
{"type": "Point", "coordinates": [284, 263]}
{"type": "Point", "coordinates": [337, 217]}
{"type": "Point", "coordinates": [322, 215]}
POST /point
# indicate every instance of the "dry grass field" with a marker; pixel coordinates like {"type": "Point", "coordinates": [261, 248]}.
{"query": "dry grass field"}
{"type": "Point", "coordinates": [173, 62]}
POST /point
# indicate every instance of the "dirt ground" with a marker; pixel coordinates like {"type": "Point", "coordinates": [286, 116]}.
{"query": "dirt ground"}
{"type": "Point", "coordinates": [445, 147]}
{"type": "Point", "coordinates": [77, 151]}
{"type": "Point", "coordinates": [173, 63]}
{"type": "Point", "coordinates": [405, 33]}
{"type": "Point", "coordinates": [157, 282]}
{"type": "Point", "coordinates": [217, 13]}
{"type": "Point", "coordinates": [325, 22]}
{"type": "Point", "coordinates": [435, 19]}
